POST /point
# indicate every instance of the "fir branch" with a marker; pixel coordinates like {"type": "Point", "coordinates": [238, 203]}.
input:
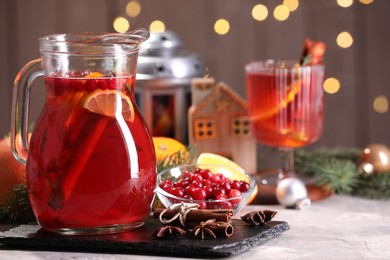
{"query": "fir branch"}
{"type": "Point", "coordinates": [338, 175]}
{"type": "Point", "coordinates": [375, 186]}
{"type": "Point", "coordinates": [181, 157]}
{"type": "Point", "coordinates": [332, 168]}
{"type": "Point", "coordinates": [18, 209]}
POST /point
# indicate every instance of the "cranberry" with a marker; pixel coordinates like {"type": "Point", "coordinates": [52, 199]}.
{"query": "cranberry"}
{"type": "Point", "coordinates": [215, 178]}
{"type": "Point", "coordinates": [188, 174]}
{"type": "Point", "coordinates": [221, 197]}
{"type": "Point", "coordinates": [226, 186]}
{"type": "Point", "coordinates": [76, 85]}
{"type": "Point", "coordinates": [177, 191]}
{"type": "Point", "coordinates": [189, 197]}
{"type": "Point", "coordinates": [209, 190]}
{"type": "Point", "coordinates": [90, 85]}
{"type": "Point", "coordinates": [206, 174]}
{"type": "Point", "coordinates": [219, 191]}
{"type": "Point", "coordinates": [102, 84]}
{"type": "Point", "coordinates": [166, 184]}
{"type": "Point", "coordinates": [199, 194]}
{"type": "Point", "coordinates": [112, 84]}
{"type": "Point", "coordinates": [202, 205]}
{"type": "Point", "coordinates": [225, 205]}
{"type": "Point", "coordinates": [182, 183]}
{"type": "Point", "coordinates": [234, 193]}
{"type": "Point", "coordinates": [197, 177]}
{"type": "Point", "coordinates": [244, 186]}
{"type": "Point", "coordinates": [235, 185]}
{"type": "Point", "coordinates": [207, 183]}
{"type": "Point", "coordinates": [197, 184]}
{"type": "Point", "coordinates": [189, 190]}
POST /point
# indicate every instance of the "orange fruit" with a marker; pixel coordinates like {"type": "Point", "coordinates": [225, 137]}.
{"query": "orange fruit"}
{"type": "Point", "coordinates": [166, 146]}
{"type": "Point", "coordinates": [212, 159]}
{"type": "Point", "coordinates": [11, 171]}
{"type": "Point", "coordinates": [109, 103]}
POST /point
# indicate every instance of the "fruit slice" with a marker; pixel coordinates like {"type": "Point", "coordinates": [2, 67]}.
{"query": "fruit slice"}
{"type": "Point", "coordinates": [110, 103]}
{"type": "Point", "coordinates": [273, 110]}
{"type": "Point", "coordinates": [313, 52]}
{"type": "Point", "coordinates": [165, 146]}
{"type": "Point", "coordinates": [212, 159]}
{"type": "Point", "coordinates": [94, 75]}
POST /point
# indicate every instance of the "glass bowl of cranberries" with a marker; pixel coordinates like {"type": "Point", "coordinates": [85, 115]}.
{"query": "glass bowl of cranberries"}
{"type": "Point", "coordinates": [210, 186]}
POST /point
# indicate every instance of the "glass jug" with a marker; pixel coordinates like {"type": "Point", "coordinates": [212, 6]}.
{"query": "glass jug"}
{"type": "Point", "coordinates": [90, 161]}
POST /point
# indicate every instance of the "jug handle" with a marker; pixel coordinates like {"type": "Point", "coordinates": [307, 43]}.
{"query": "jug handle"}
{"type": "Point", "coordinates": [21, 107]}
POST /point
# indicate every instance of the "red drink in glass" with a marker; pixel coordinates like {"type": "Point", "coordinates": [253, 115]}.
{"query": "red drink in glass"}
{"type": "Point", "coordinates": [91, 161]}
{"type": "Point", "coordinates": [285, 103]}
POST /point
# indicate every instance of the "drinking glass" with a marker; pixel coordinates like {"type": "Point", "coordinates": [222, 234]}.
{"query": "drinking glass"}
{"type": "Point", "coordinates": [286, 105]}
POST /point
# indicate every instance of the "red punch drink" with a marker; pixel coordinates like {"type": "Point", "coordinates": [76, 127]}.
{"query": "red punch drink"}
{"type": "Point", "coordinates": [285, 103]}
{"type": "Point", "coordinates": [91, 161]}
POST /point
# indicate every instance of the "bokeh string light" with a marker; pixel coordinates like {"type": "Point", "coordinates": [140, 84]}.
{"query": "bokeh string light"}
{"type": "Point", "coordinates": [281, 13]}
{"type": "Point", "coordinates": [133, 8]}
{"type": "Point", "coordinates": [121, 24]}
{"type": "Point", "coordinates": [259, 12]}
{"type": "Point", "coordinates": [222, 26]}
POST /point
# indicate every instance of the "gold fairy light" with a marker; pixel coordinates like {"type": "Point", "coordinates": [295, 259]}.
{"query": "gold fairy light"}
{"type": "Point", "coordinates": [157, 26]}
{"type": "Point", "coordinates": [259, 12]}
{"type": "Point", "coordinates": [366, 2]}
{"type": "Point", "coordinates": [345, 3]}
{"type": "Point", "coordinates": [121, 24]}
{"type": "Point", "coordinates": [331, 85]}
{"type": "Point", "coordinates": [222, 26]}
{"type": "Point", "coordinates": [381, 104]}
{"type": "Point", "coordinates": [281, 13]}
{"type": "Point", "coordinates": [133, 8]}
{"type": "Point", "coordinates": [344, 40]}
{"type": "Point", "coordinates": [292, 5]}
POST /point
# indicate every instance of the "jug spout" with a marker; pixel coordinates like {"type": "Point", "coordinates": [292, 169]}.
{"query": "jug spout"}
{"type": "Point", "coordinates": [134, 37]}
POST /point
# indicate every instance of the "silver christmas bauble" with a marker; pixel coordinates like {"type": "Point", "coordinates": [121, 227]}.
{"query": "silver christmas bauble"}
{"type": "Point", "coordinates": [292, 193]}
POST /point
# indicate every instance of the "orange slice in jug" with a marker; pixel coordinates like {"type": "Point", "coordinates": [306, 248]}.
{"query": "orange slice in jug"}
{"type": "Point", "coordinates": [110, 103]}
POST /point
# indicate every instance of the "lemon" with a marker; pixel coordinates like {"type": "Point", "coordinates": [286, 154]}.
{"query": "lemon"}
{"type": "Point", "coordinates": [109, 103]}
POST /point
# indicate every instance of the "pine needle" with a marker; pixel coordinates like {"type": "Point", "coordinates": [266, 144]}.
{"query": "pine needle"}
{"type": "Point", "coordinates": [18, 209]}
{"type": "Point", "coordinates": [179, 158]}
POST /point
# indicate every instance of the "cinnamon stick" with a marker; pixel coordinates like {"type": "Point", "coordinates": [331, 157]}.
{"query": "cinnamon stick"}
{"type": "Point", "coordinates": [76, 159]}
{"type": "Point", "coordinates": [196, 216]}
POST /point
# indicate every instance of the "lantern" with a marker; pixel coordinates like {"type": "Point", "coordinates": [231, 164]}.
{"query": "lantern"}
{"type": "Point", "coordinates": [163, 85]}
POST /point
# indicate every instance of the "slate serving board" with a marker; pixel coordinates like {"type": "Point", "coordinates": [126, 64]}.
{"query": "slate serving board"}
{"type": "Point", "coordinates": [141, 241]}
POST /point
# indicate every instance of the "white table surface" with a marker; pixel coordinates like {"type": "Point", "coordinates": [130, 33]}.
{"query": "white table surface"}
{"type": "Point", "coordinates": [339, 227]}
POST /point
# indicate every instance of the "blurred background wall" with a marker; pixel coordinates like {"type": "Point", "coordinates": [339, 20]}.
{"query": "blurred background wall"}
{"type": "Point", "coordinates": [356, 114]}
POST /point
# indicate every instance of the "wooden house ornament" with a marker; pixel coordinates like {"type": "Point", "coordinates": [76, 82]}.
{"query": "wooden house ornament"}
{"type": "Point", "coordinates": [218, 122]}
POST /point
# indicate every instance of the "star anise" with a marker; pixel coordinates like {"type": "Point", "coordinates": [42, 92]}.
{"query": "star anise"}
{"type": "Point", "coordinates": [260, 217]}
{"type": "Point", "coordinates": [168, 231]}
{"type": "Point", "coordinates": [204, 229]}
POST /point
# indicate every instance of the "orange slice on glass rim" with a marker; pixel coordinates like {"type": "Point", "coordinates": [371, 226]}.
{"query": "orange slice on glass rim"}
{"type": "Point", "coordinates": [110, 103]}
